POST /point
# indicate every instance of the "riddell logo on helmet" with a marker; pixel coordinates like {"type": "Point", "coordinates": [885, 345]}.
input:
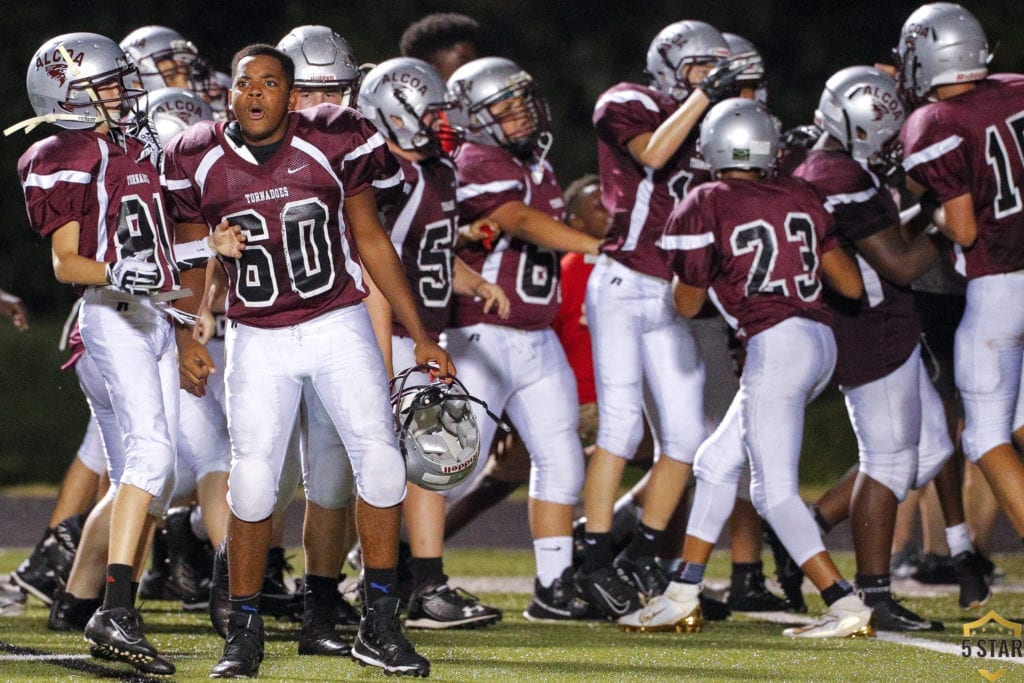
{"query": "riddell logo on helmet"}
{"type": "Point", "coordinates": [970, 75]}
{"type": "Point", "coordinates": [458, 467]}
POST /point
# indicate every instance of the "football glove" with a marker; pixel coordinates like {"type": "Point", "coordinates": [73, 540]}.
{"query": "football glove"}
{"type": "Point", "coordinates": [133, 275]}
{"type": "Point", "coordinates": [721, 82]}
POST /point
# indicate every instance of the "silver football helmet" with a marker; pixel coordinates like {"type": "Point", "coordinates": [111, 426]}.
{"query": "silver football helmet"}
{"type": "Point", "coordinates": [405, 98]}
{"type": "Point", "coordinates": [322, 59]}
{"type": "Point", "coordinates": [862, 110]}
{"type": "Point", "coordinates": [941, 43]}
{"type": "Point", "coordinates": [437, 430]}
{"type": "Point", "coordinates": [214, 87]}
{"type": "Point", "coordinates": [675, 48]}
{"type": "Point", "coordinates": [754, 75]}
{"type": "Point", "coordinates": [69, 82]}
{"type": "Point", "coordinates": [172, 110]}
{"type": "Point", "coordinates": [151, 46]}
{"type": "Point", "coordinates": [493, 91]}
{"type": "Point", "coordinates": [739, 134]}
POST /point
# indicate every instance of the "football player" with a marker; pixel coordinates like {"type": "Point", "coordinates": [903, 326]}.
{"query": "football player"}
{"type": "Point", "coordinates": [755, 243]}
{"type": "Point", "coordinates": [405, 98]}
{"type": "Point", "coordinates": [445, 40]}
{"type": "Point", "coordinates": [878, 367]}
{"type": "Point", "coordinates": [647, 161]}
{"type": "Point", "coordinates": [517, 365]}
{"type": "Point", "coordinates": [94, 189]}
{"type": "Point", "coordinates": [301, 184]}
{"type": "Point", "coordinates": [163, 58]}
{"type": "Point", "coordinates": [963, 147]}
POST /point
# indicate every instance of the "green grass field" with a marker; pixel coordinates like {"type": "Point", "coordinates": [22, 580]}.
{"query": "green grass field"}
{"type": "Point", "coordinates": [515, 650]}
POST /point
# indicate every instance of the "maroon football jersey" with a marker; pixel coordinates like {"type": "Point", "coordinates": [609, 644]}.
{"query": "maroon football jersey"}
{"type": "Point", "coordinates": [299, 261]}
{"type": "Point", "coordinates": [640, 198]}
{"type": "Point", "coordinates": [974, 143]}
{"type": "Point", "coordinates": [422, 223]}
{"type": "Point", "coordinates": [758, 244]}
{"type": "Point", "coordinates": [490, 177]}
{"type": "Point", "coordinates": [112, 191]}
{"type": "Point", "coordinates": [876, 334]}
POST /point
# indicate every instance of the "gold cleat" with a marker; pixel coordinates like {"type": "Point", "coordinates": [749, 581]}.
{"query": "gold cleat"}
{"type": "Point", "coordinates": [677, 609]}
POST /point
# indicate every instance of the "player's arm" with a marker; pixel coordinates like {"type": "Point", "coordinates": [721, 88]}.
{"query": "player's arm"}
{"type": "Point", "coordinates": [468, 282]}
{"type": "Point", "coordinates": [381, 261]}
{"type": "Point", "coordinates": [194, 362]}
{"type": "Point", "coordinates": [654, 149]}
{"type": "Point", "coordinates": [956, 220]}
{"type": "Point", "coordinates": [689, 300]}
{"type": "Point", "coordinates": [841, 273]}
{"type": "Point", "coordinates": [68, 265]}
{"type": "Point", "coordinates": [380, 319]}
{"type": "Point", "coordinates": [536, 227]}
{"type": "Point", "coordinates": [896, 260]}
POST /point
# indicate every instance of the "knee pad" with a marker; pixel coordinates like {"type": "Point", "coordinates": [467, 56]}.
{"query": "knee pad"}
{"type": "Point", "coordinates": [252, 490]}
{"type": "Point", "coordinates": [712, 505]}
{"type": "Point", "coordinates": [380, 481]}
{"type": "Point", "coordinates": [796, 528]}
{"type": "Point", "coordinates": [895, 471]}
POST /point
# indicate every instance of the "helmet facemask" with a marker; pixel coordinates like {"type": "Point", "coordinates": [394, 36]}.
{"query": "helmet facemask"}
{"type": "Point", "coordinates": [106, 94]}
{"type": "Point", "coordinates": [427, 132]}
{"type": "Point", "coordinates": [517, 102]}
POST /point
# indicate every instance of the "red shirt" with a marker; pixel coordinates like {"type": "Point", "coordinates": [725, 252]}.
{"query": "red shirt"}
{"type": "Point", "coordinates": [571, 323]}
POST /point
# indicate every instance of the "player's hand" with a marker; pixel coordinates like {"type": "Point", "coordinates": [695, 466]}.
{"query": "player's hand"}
{"type": "Point", "coordinates": [194, 363]}
{"type": "Point", "coordinates": [227, 240]}
{"type": "Point", "coordinates": [429, 352]}
{"type": "Point", "coordinates": [133, 275]}
{"type": "Point", "coordinates": [482, 230]}
{"type": "Point", "coordinates": [206, 325]}
{"type": "Point", "coordinates": [13, 307]}
{"type": "Point", "coordinates": [611, 245]}
{"type": "Point", "coordinates": [721, 82]}
{"type": "Point", "coordinates": [494, 297]}
{"type": "Point", "coordinates": [888, 69]}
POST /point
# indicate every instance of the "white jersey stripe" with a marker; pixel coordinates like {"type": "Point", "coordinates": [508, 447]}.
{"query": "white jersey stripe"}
{"type": "Point", "coordinates": [389, 182]}
{"type": "Point", "coordinates": [103, 200]}
{"type": "Point", "coordinates": [932, 152]}
{"type": "Point", "coordinates": [641, 208]}
{"type": "Point", "coordinates": [403, 222]}
{"type": "Point", "coordinates": [372, 143]}
{"type": "Point", "coordinates": [834, 200]}
{"type": "Point", "coordinates": [475, 190]}
{"type": "Point", "coordinates": [628, 96]}
{"type": "Point", "coordinates": [209, 159]}
{"type": "Point", "coordinates": [50, 180]}
{"type": "Point", "coordinates": [174, 185]}
{"type": "Point", "coordinates": [731, 320]}
{"type": "Point", "coordinates": [685, 242]}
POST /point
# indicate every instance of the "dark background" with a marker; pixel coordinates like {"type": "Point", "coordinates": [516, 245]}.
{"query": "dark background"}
{"type": "Point", "coordinates": [574, 49]}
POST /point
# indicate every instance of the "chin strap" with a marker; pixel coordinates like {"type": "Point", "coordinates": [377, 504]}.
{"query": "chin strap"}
{"type": "Point", "coordinates": [30, 124]}
{"type": "Point", "coordinates": [544, 142]}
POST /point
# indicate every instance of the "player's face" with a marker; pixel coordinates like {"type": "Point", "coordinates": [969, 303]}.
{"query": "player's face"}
{"type": "Point", "coordinates": [260, 98]}
{"type": "Point", "coordinates": [176, 74]}
{"type": "Point", "coordinates": [514, 119]}
{"type": "Point", "coordinates": [698, 71]}
{"type": "Point", "coordinates": [447, 61]}
{"type": "Point", "coordinates": [310, 97]}
{"type": "Point", "coordinates": [591, 216]}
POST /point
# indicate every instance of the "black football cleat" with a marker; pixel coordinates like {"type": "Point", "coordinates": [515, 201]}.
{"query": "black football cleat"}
{"type": "Point", "coordinates": [608, 592]}
{"type": "Point", "coordinates": [644, 573]}
{"type": "Point", "coordinates": [243, 650]}
{"type": "Point", "coordinates": [119, 634]}
{"type": "Point", "coordinates": [381, 642]}
{"type": "Point", "coordinates": [276, 598]}
{"type": "Point", "coordinates": [561, 601]}
{"type": "Point", "coordinates": [317, 636]}
{"type": "Point", "coordinates": [748, 593]}
{"type": "Point", "coordinates": [189, 562]}
{"type": "Point", "coordinates": [890, 615]}
{"type": "Point", "coordinates": [970, 568]}
{"type": "Point", "coordinates": [68, 613]}
{"type": "Point", "coordinates": [441, 607]}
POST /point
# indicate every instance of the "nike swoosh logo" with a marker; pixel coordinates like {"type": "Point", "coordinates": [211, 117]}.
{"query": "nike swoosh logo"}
{"type": "Point", "coordinates": [124, 635]}
{"type": "Point", "coordinates": [296, 170]}
{"type": "Point", "coordinates": [647, 616]}
{"type": "Point", "coordinates": [619, 607]}
{"type": "Point", "coordinates": [553, 549]}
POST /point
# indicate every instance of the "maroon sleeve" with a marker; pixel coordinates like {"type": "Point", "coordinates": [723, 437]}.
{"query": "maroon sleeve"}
{"type": "Point", "coordinates": [689, 239]}
{"type": "Point", "coordinates": [58, 182]}
{"type": "Point", "coordinates": [365, 160]}
{"type": "Point", "coordinates": [489, 178]}
{"type": "Point", "coordinates": [934, 154]}
{"type": "Point", "coordinates": [180, 160]}
{"type": "Point", "coordinates": [624, 112]}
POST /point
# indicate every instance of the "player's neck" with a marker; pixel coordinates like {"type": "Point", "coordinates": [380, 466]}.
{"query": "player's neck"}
{"type": "Point", "coordinates": [944, 92]}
